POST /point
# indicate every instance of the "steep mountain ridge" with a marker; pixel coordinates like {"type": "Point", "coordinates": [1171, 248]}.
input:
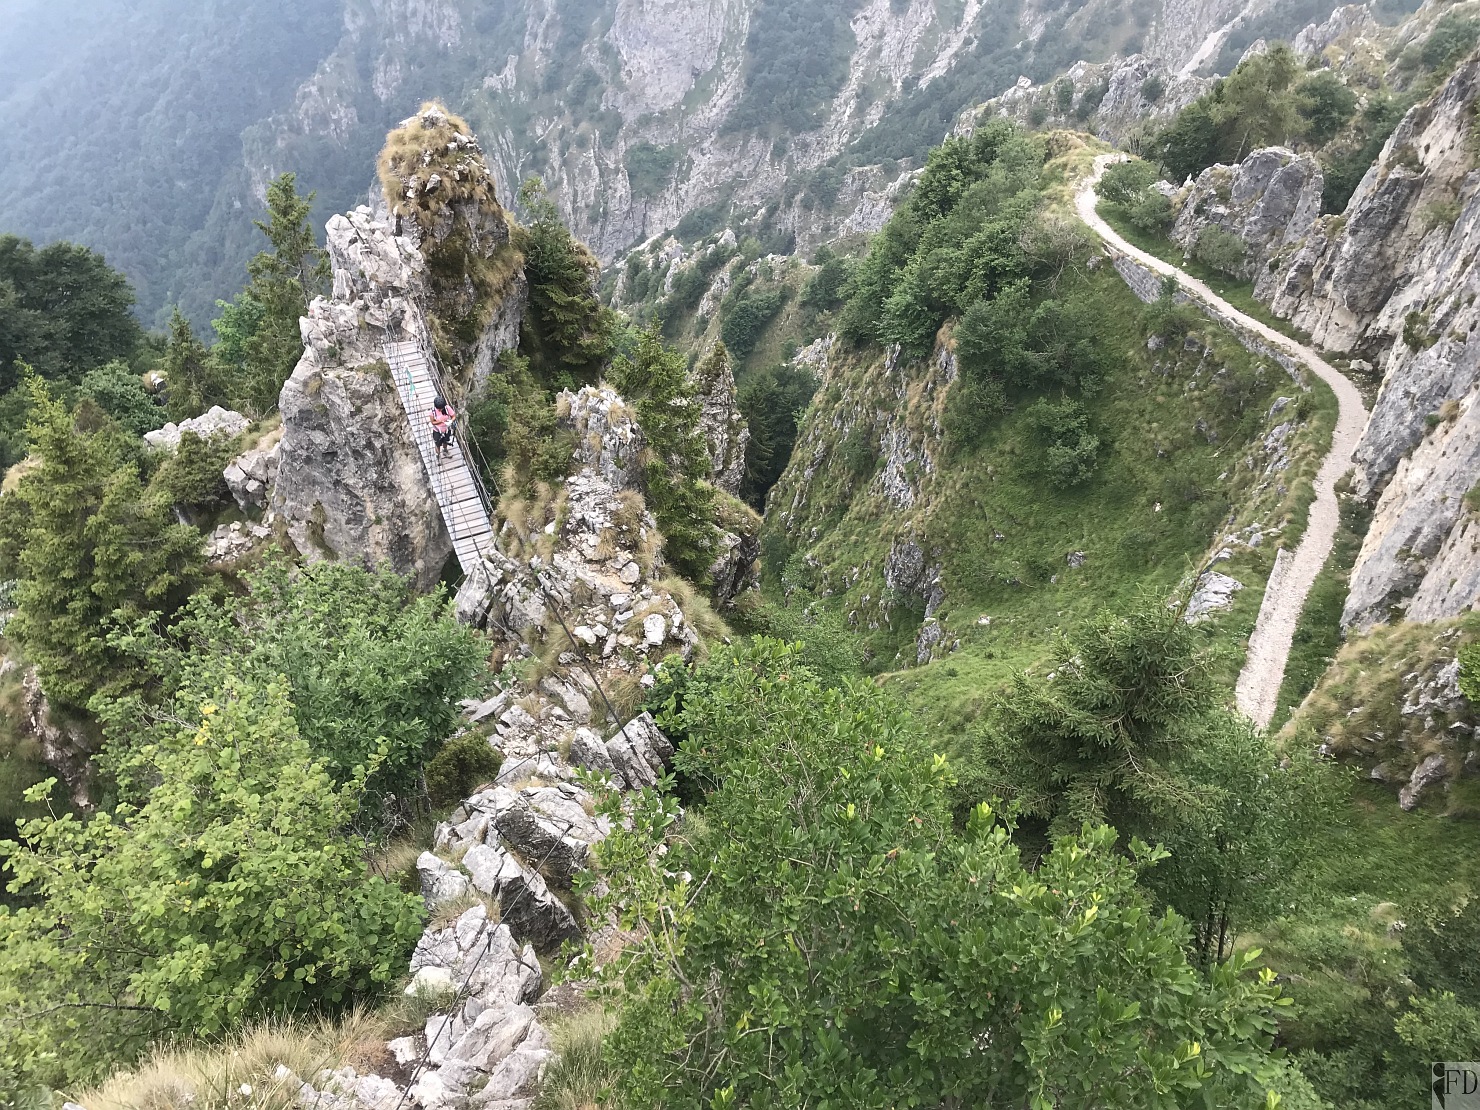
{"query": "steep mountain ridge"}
{"type": "Point", "coordinates": [638, 113]}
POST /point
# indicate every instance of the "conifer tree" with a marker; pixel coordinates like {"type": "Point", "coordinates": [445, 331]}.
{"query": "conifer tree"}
{"type": "Point", "coordinates": [86, 544]}
{"type": "Point", "coordinates": [677, 468]}
{"type": "Point", "coordinates": [568, 332]}
{"type": "Point", "coordinates": [194, 377]}
{"type": "Point", "coordinates": [284, 279]}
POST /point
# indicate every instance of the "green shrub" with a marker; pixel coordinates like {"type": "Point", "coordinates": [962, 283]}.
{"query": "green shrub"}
{"type": "Point", "coordinates": [194, 477]}
{"type": "Point", "coordinates": [1126, 182]}
{"type": "Point", "coordinates": [460, 766]}
{"type": "Point", "coordinates": [744, 318]}
{"type": "Point", "coordinates": [1069, 453]}
{"type": "Point", "coordinates": [809, 781]}
{"type": "Point", "coordinates": [374, 672]}
{"type": "Point", "coordinates": [772, 402]}
{"type": "Point", "coordinates": [824, 289]}
{"type": "Point", "coordinates": [89, 545]}
{"type": "Point", "coordinates": [972, 408]}
{"type": "Point", "coordinates": [121, 394]}
{"type": "Point", "coordinates": [1222, 250]}
{"type": "Point", "coordinates": [229, 892]}
{"type": "Point", "coordinates": [567, 333]}
{"type": "Point", "coordinates": [675, 476]}
{"type": "Point", "coordinates": [1152, 212]}
{"type": "Point", "coordinates": [650, 167]}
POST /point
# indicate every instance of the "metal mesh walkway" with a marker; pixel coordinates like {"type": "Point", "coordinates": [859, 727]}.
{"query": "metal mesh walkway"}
{"type": "Point", "coordinates": [464, 502]}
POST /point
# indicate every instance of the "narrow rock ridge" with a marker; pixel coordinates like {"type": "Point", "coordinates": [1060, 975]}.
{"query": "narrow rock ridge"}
{"type": "Point", "coordinates": [573, 598]}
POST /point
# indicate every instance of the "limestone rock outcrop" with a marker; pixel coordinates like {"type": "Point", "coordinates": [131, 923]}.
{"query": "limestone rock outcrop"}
{"type": "Point", "coordinates": [724, 429]}
{"type": "Point", "coordinates": [251, 474]}
{"type": "Point", "coordinates": [1393, 281]}
{"type": "Point", "coordinates": [608, 438]}
{"type": "Point", "coordinates": [441, 195]}
{"type": "Point", "coordinates": [1117, 99]}
{"type": "Point", "coordinates": [208, 425]}
{"type": "Point", "coordinates": [350, 482]}
{"type": "Point", "coordinates": [1270, 201]}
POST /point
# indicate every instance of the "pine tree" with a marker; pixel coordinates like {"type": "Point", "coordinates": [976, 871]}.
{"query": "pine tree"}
{"type": "Point", "coordinates": [195, 378]}
{"type": "Point", "coordinates": [86, 543]}
{"type": "Point", "coordinates": [677, 468]}
{"type": "Point", "coordinates": [567, 335]}
{"type": "Point", "coordinates": [284, 279]}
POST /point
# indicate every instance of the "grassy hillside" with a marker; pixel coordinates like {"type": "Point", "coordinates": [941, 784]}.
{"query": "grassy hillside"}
{"type": "Point", "coordinates": [903, 462]}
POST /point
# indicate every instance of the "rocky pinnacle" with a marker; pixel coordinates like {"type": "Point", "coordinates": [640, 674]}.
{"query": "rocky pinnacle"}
{"type": "Point", "coordinates": [1294, 574]}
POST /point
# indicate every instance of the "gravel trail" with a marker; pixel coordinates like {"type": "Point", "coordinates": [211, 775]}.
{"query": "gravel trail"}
{"type": "Point", "coordinates": [1294, 573]}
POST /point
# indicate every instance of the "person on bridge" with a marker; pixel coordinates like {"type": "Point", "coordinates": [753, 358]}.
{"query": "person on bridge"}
{"type": "Point", "coordinates": [443, 418]}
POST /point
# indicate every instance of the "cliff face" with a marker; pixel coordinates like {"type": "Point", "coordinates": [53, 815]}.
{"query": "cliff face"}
{"type": "Point", "coordinates": [1270, 201]}
{"type": "Point", "coordinates": [1393, 282]}
{"type": "Point", "coordinates": [350, 483]}
{"type": "Point", "coordinates": [639, 112]}
{"type": "Point", "coordinates": [1117, 100]}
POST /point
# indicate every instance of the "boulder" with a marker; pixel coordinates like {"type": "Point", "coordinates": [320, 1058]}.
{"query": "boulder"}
{"type": "Point", "coordinates": [550, 826]}
{"type": "Point", "coordinates": [608, 440]}
{"type": "Point", "coordinates": [440, 881]}
{"type": "Point", "coordinates": [480, 959]}
{"type": "Point", "coordinates": [251, 474]}
{"type": "Point", "coordinates": [525, 902]}
{"type": "Point", "coordinates": [1214, 594]}
{"type": "Point", "coordinates": [209, 425]}
{"type": "Point", "coordinates": [587, 750]}
{"type": "Point", "coordinates": [1433, 769]}
{"type": "Point", "coordinates": [639, 752]}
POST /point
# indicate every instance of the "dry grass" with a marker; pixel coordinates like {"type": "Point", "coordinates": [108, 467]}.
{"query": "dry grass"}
{"type": "Point", "coordinates": [579, 1075]}
{"type": "Point", "coordinates": [626, 693]}
{"type": "Point", "coordinates": [697, 611]}
{"type": "Point", "coordinates": [418, 150]}
{"type": "Point", "coordinates": [14, 475]}
{"type": "Point", "coordinates": [526, 518]}
{"type": "Point", "coordinates": [631, 509]}
{"type": "Point", "coordinates": [450, 910]}
{"type": "Point", "coordinates": [239, 1073]}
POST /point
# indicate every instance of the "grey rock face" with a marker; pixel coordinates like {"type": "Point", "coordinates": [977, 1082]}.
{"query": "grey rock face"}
{"type": "Point", "coordinates": [1432, 770]}
{"type": "Point", "coordinates": [1124, 111]}
{"type": "Point", "coordinates": [440, 881]}
{"type": "Point", "coordinates": [350, 482]}
{"type": "Point", "coordinates": [525, 902]}
{"type": "Point", "coordinates": [639, 752]}
{"type": "Point", "coordinates": [1213, 595]}
{"type": "Point", "coordinates": [1341, 283]}
{"type": "Point", "coordinates": [720, 421]}
{"type": "Point", "coordinates": [66, 748]}
{"type": "Point", "coordinates": [1315, 40]}
{"type": "Point", "coordinates": [737, 567]}
{"type": "Point", "coordinates": [229, 542]}
{"type": "Point", "coordinates": [608, 439]}
{"type": "Point", "coordinates": [480, 959]}
{"type": "Point", "coordinates": [1270, 201]}
{"type": "Point", "coordinates": [1418, 555]}
{"type": "Point", "coordinates": [252, 473]}
{"type": "Point", "coordinates": [549, 826]}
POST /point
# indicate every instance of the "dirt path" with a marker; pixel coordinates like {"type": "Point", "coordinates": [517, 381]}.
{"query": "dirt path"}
{"type": "Point", "coordinates": [1294, 573]}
